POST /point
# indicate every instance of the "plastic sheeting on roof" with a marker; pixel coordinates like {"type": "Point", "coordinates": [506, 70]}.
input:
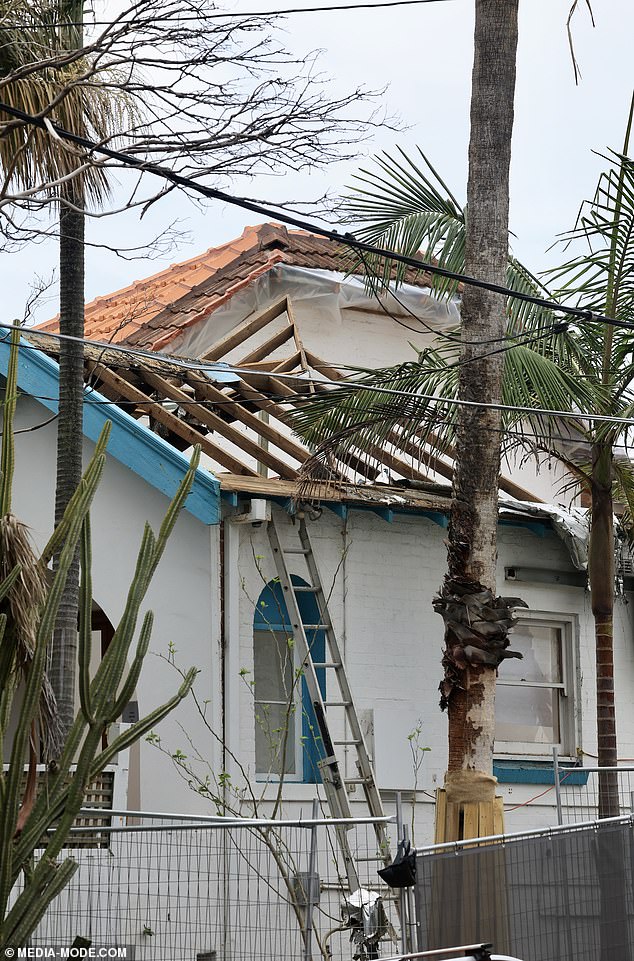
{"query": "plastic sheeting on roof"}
{"type": "Point", "coordinates": [571, 525]}
{"type": "Point", "coordinates": [322, 296]}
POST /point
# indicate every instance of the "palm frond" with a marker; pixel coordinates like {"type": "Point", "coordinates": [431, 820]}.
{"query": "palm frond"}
{"type": "Point", "coordinates": [623, 472]}
{"type": "Point", "coordinates": [404, 206]}
{"type": "Point", "coordinates": [601, 276]}
{"type": "Point", "coordinates": [412, 408]}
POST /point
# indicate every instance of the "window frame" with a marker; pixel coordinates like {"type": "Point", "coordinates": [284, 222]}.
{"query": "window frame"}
{"type": "Point", "coordinates": [297, 774]}
{"type": "Point", "coordinates": [568, 700]}
{"type": "Point", "coordinates": [308, 746]}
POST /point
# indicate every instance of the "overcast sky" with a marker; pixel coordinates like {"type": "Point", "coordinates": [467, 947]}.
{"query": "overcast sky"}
{"type": "Point", "coordinates": [424, 54]}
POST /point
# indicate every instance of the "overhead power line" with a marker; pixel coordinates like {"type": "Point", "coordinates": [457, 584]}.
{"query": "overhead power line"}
{"type": "Point", "coordinates": [197, 365]}
{"type": "Point", "coordinates": [241, 14]}
{"type": "Point", "coordinates": [347, 239]}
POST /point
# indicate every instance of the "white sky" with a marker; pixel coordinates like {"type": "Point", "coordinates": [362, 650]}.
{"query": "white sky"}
{"type": "Point", "coordinates": [424, 53]}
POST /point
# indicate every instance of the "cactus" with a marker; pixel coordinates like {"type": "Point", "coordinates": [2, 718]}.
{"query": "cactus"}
{"type": "Point", "coordinates": [25, 819]}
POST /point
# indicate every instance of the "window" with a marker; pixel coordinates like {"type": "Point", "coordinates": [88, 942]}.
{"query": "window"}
{"type": "Point", "coordinates": [534, 705]}
{"type": "Point", "coordinates": [287, 740]}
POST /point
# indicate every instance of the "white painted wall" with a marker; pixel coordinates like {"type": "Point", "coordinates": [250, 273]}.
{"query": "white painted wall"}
{"type": "Point", "coordinates": [184, 594]}
{"type": "Point", "coordinates": [381, 607]}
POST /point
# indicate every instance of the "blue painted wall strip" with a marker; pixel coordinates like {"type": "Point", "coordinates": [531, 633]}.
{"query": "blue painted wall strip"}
{"type": "Point", "coordinates": [132, 444]}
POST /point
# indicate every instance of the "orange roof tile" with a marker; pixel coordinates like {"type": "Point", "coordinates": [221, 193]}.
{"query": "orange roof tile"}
{"type": "Point", "coordinates": [150, 313]}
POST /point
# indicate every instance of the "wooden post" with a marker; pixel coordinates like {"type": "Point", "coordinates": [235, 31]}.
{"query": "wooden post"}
{"type": "Point", "coordinates": [468, 891]}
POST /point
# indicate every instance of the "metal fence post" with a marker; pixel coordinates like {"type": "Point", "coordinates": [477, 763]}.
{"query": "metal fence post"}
{"type": "Point", "coordinates": [311, 893]}
{"type": "Point", "coordinates": [560, 815]}
{"type": "Point", "coordinates": [401, 831]}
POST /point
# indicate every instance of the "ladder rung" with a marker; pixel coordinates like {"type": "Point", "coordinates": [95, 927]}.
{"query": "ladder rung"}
{"type": "Point", "coordinates": [300, 588]}
{"type": "Point", "coordinates": [357, 780]}
{"type": "Point", "coordinates": [327, 664]}
{"type": "Point", "coordinates": [296, 550]}
{"type": "Point", "coordinates": [337, 703]}
{"type": "Point", "coordinates": [315, 627]}
{"type": "Point", "coordinates": [347, 743]}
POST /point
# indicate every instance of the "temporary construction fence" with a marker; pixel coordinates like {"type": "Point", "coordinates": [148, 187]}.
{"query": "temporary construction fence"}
{"type": "Point", "coordinates": [228, 890]}
{"type": "Point", "coordinates": [577, 791]}
{"type": "Point", "coordinates": [562, 792]}
{"type": "Point", "coordinates": [564, 894]}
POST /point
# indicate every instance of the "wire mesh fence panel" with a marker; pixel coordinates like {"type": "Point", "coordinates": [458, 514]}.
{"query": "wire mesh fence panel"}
{"type": "Point", "coordinates": [580, 802]}
{"type": "Point", "coordinates": [564, 895]}
{"type": "Point", "coordinates": [218, 893]}
{"type": "Point", "coordinates": [540, 804]}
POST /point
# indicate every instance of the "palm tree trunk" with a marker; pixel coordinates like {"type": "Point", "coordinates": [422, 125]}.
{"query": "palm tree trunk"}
{"type": "Point", "coordinates": [69, 438]}
{"type": "Point", "coordinates": [601, 572]}
{"type": "Point", "coordinates": [613, 901]}
{"type": "Point", "coordinates": [473, 523]}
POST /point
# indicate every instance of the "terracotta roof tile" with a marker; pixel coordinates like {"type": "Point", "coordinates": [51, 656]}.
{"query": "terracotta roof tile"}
{"type": "Point", "coordinates": [150, 313]}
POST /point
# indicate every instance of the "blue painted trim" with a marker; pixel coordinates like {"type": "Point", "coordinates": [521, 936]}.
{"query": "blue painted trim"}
{"type": "Point", "coordinates": [341, 510]}
{"type": "Point", "coordinates": [132, 444]}
{"type": "Point", "coordinates": [441, 519]}
{"type": "Point", "coordinates": [539, 528]}
{"type": "Point", "coordinates": [385, 513]}
{"type": "Point", "coordinates": [537, 772]}
{"type": "Point", "coordinates": [230, 497]}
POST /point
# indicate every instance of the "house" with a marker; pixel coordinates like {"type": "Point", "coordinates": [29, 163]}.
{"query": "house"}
{"type": "Point", "coordinates": [218, 351]}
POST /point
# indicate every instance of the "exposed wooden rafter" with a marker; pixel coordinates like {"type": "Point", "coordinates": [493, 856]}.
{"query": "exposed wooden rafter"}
{"type": "Point", "coordinates": [253, 415]}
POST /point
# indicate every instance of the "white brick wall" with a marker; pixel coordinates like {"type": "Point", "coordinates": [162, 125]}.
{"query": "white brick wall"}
{"type": "Point", "coordinates": [381, 606]}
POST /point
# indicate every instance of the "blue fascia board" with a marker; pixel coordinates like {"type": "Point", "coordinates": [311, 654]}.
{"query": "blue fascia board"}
{"type": "Point", "coordinates": [132, 444]}
{"type": "Point", "coordinates": [538, 527]}
{"type": "Point", "coordinates": [340, 510]}
{"type": "Point", "coordinates": [437, 518]}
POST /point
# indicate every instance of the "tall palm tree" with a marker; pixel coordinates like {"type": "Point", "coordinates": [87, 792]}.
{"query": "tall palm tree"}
{"type": "Point", "coordinates": [548, 365]}
{"type": "Point", "coordinates": [472, 538]}
{"type": "Point", "coordinates": [35, 32]}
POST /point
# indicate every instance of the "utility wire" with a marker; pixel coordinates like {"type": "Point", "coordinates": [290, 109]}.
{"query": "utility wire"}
{"type": "Point", "coordinates": [522, 339]}
{"type": "Point", "coordinates": [239, 14]}
{"type": "Point", "coordinates": [347, 239]}
{"type": "Point", "coordinates": [196, 365]}
{"type": "Point", "coordinates": [229, 402]}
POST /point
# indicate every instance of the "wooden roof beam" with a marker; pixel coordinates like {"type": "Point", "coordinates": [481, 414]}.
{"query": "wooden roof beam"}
{"type": "Point", "coordinates": [241, 333]}
{"type": "Point", "coordinates": [435, 464]}
{"type": "Point", "coordinates": [259, 353]}
{"type": "Point", "coordinates": [174, 423]}
{"type": "Point", "coordinates": [210, 392]}
{"type": "Point", "coordinates": [262, 402]}
{"type": "Point", "coordinates": [211, 420]}
{"type": "Point", "coordinates": [373, 451]}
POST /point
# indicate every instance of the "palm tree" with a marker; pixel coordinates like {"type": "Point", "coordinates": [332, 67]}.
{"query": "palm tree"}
{"type": "Point", "coordinates": [472, 548]}
{"type": "Point", "coordinates": [35, 32]}
{"type": "Point", "coordinates": [548, 365]}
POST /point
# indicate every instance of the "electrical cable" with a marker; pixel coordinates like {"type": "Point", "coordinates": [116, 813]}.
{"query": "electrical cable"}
{"type": "Point", "coordinates": [186, 364]}
{"type": "Point", "coordinates": [309, 396]}
{"type": "Point", "coordinates": [238, 15]}
{"type": "Point", "coordinates": [348, 239]}
{"type": "Point", "coordinates": [242, 402]}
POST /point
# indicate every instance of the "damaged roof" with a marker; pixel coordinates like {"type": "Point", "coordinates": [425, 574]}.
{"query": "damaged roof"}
{"type": "Point", "coordinates": [236, 400]}
{"type": "Point", "coordinates": [151, 313]}
{"type": "Point", "coordinates": [240, 412]}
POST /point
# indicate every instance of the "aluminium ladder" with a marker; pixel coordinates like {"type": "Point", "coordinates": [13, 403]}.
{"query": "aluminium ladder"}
{"type": "Point", "coordinates": [335, 783]}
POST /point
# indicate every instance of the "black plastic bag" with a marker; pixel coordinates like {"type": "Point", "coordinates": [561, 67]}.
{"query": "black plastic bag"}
{"type": "Point", "coordinates": [401, 873]}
